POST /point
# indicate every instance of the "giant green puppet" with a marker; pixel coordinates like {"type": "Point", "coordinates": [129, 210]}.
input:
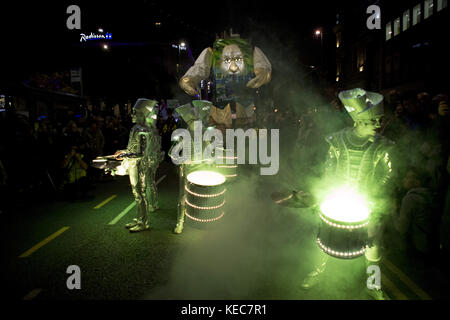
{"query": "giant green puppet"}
{"type": "Point", "coordinates": [234, 70]}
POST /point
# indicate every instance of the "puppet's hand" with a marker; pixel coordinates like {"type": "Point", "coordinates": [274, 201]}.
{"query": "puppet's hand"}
{"type": "Point", "coordinates": [262, 76]}
{"type": "Point", "coordinates": [188, 85]}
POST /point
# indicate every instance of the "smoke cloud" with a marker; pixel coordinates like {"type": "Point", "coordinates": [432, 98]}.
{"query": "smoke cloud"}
{"type": "Point", "coordinates": [260, 250]}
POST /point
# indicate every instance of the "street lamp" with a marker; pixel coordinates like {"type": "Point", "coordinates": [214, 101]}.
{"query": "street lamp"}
{"type": "Point", "coordinates": [319, 32]}
{"type": "Point", "coordinates": [181, 46]}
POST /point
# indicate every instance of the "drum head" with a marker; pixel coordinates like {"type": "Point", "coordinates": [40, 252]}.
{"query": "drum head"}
{"type": "Point", "coordinates": [206, 178]}
{"type": "Point", "coordinates": [345, 205]}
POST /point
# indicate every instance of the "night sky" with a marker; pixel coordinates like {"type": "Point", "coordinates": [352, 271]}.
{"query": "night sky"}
{"type": "Point", "coordinates": [37, 39]}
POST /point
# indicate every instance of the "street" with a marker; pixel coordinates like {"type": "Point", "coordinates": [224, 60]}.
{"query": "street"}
{"type": "Point", "coordinates": [258, 251]}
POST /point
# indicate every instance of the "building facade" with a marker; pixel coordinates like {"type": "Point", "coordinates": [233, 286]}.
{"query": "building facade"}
{"type": "Point", "coordinates": [407, 53]}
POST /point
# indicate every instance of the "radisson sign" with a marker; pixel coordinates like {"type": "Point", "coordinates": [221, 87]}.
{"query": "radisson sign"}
{"type": "Point", "coordinates": [93, 36]}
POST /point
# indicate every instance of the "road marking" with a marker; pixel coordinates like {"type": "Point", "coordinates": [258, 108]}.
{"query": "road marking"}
{"type": "Point", "coordinates": [32, 294]}
{"type": "Point", "coordinates": [130, 206]}
{"type": "Point", "coordinates": [105, 202]}
{"type": "Point", "coordinates": [43, 242]}
{"type": "Point", "coordinates": [392, 288]}
{"type": "Point", "coordinates": [124, 212]}
{"type": "Point", "coordinates": [406, 280]}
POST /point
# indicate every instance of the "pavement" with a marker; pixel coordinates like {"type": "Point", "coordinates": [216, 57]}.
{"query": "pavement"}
{"type": "Point", "coordinates": [257, 251]}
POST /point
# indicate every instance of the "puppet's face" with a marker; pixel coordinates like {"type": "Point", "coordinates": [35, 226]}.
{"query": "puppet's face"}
{"type": "Point", "coordinates": [232, 60]}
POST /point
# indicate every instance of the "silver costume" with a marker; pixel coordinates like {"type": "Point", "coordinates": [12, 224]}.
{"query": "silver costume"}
{"type": "Point", "coordinates": [368, 165]}
{"type": "Point", "coordinates": [197, 110]}
{"type": "Point", "coordinates": [360, 157]}
{"type": "Point", "coordinates": [141, 160]}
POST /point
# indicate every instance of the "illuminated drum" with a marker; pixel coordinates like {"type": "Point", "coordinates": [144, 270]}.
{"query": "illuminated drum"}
{"type": "Point", "coordinates": [343, 229]}
{"type": "Point", "coordinates": [229, 166]}
{"type": "Point", "coordinates": [204, 196]}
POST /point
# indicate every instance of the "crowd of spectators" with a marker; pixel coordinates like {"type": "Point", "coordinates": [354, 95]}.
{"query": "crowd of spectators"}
{"type": "Point", "coordinates": [418, 123]}
{"type": "Point", "coordinates": [53, 157]}
{"type": "Point", "coordinates": [58, 154]}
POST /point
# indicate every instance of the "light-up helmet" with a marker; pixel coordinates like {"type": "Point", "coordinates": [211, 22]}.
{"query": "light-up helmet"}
{"type": "Point", "coordinates": [197, 110]}
{"type": "Point", "coordinates": [362, 105]}
{"type": "Point", "coordinates": [145, 112]}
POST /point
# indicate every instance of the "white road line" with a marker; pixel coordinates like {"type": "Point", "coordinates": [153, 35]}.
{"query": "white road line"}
{"type": "Point", "coordinates": [130, 206]}
{"type": "Point", "coordinates": [124, 212]}
{"type": "Point", "coordinates": [32, 294]}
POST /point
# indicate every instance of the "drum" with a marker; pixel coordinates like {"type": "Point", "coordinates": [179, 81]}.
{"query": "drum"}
{"type": "Point", "coordinates": [227, 168]}
{"type": "Point", "coordinates": [343, 240]}
{"type": "Point", "coordinates": [344, 222]}
{"type": "Point", "coordinates": [204, 196]}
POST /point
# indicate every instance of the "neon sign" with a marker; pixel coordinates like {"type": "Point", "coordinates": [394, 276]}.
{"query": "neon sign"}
{"type": "Point", "coordinates": [93, 36]}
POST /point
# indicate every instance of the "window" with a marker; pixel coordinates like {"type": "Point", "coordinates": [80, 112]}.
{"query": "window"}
{"type": "Point", "coordinates": [428, 8]}
{"type": "Point", "coordinates": [406, 20]}
{"type": "Point", "coordinates": [416, 15]}
{"type": "Point", "coordinates": [441, 4]}
{"type": "Point", "coordinates": [396, 26]}
{"type": "Point", "coordinates": [388, 31]}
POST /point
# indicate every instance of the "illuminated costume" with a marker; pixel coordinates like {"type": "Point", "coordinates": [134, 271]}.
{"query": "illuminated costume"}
{"type": "Point", "coordinates": [198, 111]}
{"type": "Point", "coordinates": [360, 158]}
{"type": "Point", "coordinates": [141, 160]}
{"type": "Point", "coordinates": [231, 70]}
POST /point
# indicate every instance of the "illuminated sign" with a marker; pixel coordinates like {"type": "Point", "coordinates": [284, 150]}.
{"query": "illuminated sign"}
{"type": "Point", "coordinates": [93, 36]}
{"type": "Point", "coordinates": [181, 47]}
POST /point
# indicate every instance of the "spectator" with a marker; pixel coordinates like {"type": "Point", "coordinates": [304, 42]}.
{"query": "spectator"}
{"type": "Point", "coordinates": [393, 126]}
{"type": "Point", "coordinates": [163, 110]}
{"type": "Point", "coordinates": [168, 127]}
{"type": "Point", "coordinates": [75, 182]}
{"type": "Point", "coordinates": [72, 133]}
{"type": "Point", "coordinates": [424, 101]}
{"type": "Point", "coordinates": [108, 133]}
{"type": "Point", "coordinates": [441, 118]}
{"type": "Point", "coordinates": [439, 138]}
{"type": "Point", "coordinates": [119, 135]}
{"type": "Point", "coordinates": [415, 219]}
{"type": "Point", "coordinates": [416, 107]}
{"type": "Point", "coordinates": [95, 140]}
